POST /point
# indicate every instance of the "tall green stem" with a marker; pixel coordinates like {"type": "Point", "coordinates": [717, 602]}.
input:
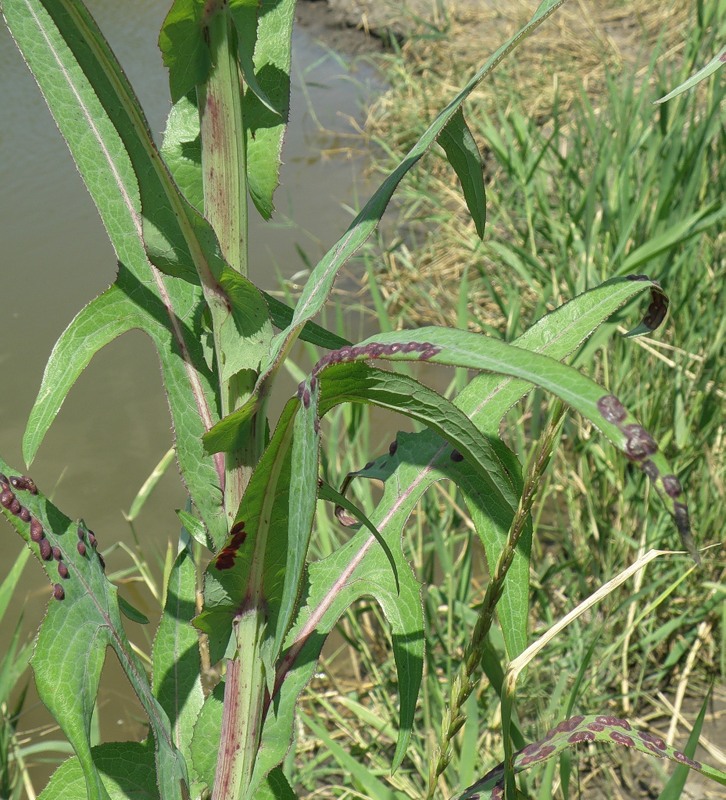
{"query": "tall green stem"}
{"type": "Point", "coordinates": [224, 172]}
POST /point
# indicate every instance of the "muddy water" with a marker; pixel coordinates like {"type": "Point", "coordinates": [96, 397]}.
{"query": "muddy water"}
{"type": "Point", "coordinates": [114, 427]}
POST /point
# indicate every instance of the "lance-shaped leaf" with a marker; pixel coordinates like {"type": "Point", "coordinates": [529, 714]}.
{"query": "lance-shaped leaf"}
{"type": "Point", "coordinates": [265, 122]}
{"type": "Point", "coordinates": [342, 578]}
{"type": "Point", "coordinates": [168, 310]}
{"type": "Point", "coordinates": [303, 495]}
{"type": "Point", "coordinates": [82, 621]}
{"type": "Point", "coordinates": [474, 351]}
{"type": "Point", "coordinates": [464, 157]}
{"type": "Point", "coordinates": [715, 63]}
{"type": "Point", "coordinates": [245, 552]}
{"type": "Point", "coordinates": [603, 729]}
{"type": "Point", "coordinates": [318, 287]}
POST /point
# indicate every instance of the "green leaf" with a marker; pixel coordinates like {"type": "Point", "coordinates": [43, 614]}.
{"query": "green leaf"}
{"type": "Point", "coordinates": [464, 455]}
{"type": "Point", "coordinates": [259, 534]}
{"type": "Point", "coordinates": [149, 485]}
{"type": "Point", "coordinates": [176, 663]}
{"type": "Point", "coordinates": [250, 321]}
{"type": "Point", "coordinates": [80, 624]}
{"type": "Point", "coordinates": [266, 120]}
{"type": "Point", "coordinates": [193, 526]}
{"type": "Point", "coordinates": [464, 157]}
{"type": "Point", "coordinates": [673, 790]}
{"type": "Point", "coordinates": [186, 55]}
{"type": "Point", "coordinates": [126, 768]}
{"type": "Point", "coordinates": [132, 613]}
{"type": "Point", "coordinates": [715, 63]}
{"type": "Point", "coordinates": [103, 127]}
{"type": "Point", "coordinates": [333, 585]}
{"type": "Point", "coordinates": [245, 18]}
{"type": "Point", "coordinates": [303, 495]}
{"type": "Point", "coordinates": [275, 787]}
{"type": "Point", "coordinates": [207, 732]}
{"type": "Point", "coordinates": [473, 351]}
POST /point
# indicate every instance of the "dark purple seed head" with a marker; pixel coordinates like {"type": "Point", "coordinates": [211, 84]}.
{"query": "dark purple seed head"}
{"type": "Point", "coordinates": [356, 352]}
{"type": "Point", "coordinates": [81, 548]}
{"type": "Point", "coordinates": [63, 570]}
{"type": "Point", "coordinates": [334, 357]}
{"type": "Point", "coordinates": [36, 529]}
{"type": "Point", "coordinates": [15, 506]}
{"type": "Point", "coordinates": [640, 443]}
{"type": "Point", "coordinates": [672, 485]}
{"type": "Point", "coordinates": [368, 465]}
{"type": "Point", "coordinates": [650, 469]}
{"type": "Point", "coordinates": [611, 409]}
{"type": "Point", "coordinates": [45, 550]}
{"type": "Point", "coordinates": [428, 353]}
{"type": "Point", "coordinates": [24, 514]}
{"type": "Point", "coordinates": [92, 539]}
{"type": "Point", "coordinates": [456, 456]}
{"type": "Point", "coordinates": [313, 383]}
{"type": "Point", "coordinates": [392, 447]}
{"type": "Point", "coordinates": [103, 562]}
{"type": "Point", "coordinates": [621, 738]}
{"type": "Point", "coordinates": [57, 555]}
{"type": "Point", "coordinates": [374, 350]}
{"type": "Point", "coordinates": [4, 479]}
{"type": "Point", "coordinates": [81, 533]}
{"type": "Point", "coordinates": [409, 347]}
{"type": "Point", "coordinates": [58, 591]}
{"type": "Point", "coordinates": [6, 498]}
{"type": "Point", "coordinates": [300, 390]}
{"type": "Point", "coordinates": [316, 425]}
{"type": "Point", "coordinates": [344, 353]}
{"type": "Point", "coordinates": [637, 277]}
{"type": "Point", "coordinates": [306, 397]}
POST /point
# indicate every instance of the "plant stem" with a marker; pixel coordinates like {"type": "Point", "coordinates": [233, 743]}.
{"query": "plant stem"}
{"type": "Point", "coordinates": [224, 169]}
{"type": "Point", "coordinates": [243, 707]}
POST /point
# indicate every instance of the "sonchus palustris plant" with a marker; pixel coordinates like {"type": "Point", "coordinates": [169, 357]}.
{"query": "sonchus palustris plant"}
{"type": "Point", "coordinates": [177, 217]}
